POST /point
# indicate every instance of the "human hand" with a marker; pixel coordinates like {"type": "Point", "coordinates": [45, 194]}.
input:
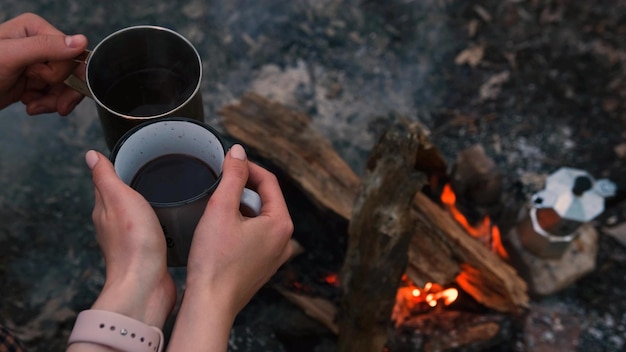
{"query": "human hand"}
{"type": "Point", "coordinates": [36, 59]}
{"type": "Point", "coordinates": [233, 252]}
{"type": "Point", "coordinates": [138, 284]}
{"type": "Point", "coordinates": [231, 256]}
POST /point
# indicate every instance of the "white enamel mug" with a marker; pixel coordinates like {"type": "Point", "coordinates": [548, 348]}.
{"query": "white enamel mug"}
{"type": "Point", "coordinates": [177, 136]}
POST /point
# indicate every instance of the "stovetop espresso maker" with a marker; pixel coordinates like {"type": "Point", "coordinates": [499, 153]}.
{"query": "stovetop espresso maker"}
{"type": "Point", "coordinates": [570, 198]}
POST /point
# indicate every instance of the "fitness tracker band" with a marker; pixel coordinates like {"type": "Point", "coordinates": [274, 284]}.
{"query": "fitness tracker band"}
{"type": "Point", "coordinates": [116, 331]}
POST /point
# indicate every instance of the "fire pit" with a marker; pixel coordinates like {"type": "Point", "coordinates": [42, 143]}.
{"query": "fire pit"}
{"type": "Point", "coordinates": [411, 257]}
{"type": "Point", "coordinates": [416, 254]}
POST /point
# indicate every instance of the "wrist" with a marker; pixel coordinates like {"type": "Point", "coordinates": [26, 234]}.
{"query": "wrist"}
{"type": "Point", "coordinates": [100, 331]}
{"type": "Point", "coordinates": [195, 327]}
{"type": "Point", "coordinates": [150, 304]}
{"type": "Point", "coordinates": [217, 298]}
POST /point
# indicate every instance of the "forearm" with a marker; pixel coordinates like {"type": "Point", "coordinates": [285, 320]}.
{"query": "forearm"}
{"type": "Point", "coordinates": [203, 322]}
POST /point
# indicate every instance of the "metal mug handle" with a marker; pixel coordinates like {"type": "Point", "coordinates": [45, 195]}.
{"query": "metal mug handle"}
{"type": "Point", "coordinates": [74, 81]}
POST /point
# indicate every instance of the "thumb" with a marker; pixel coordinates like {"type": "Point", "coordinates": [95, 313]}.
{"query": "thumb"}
{"type": "Point", "coordinates": [108, 185]}
{"type": "Point", "coordinates": [27, 51]}
{"type": "Point", "coordinates": [234, 178]}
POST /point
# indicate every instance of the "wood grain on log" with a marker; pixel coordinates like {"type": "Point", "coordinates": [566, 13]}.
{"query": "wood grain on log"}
{"type": "Point", "coordinates": [482, 274]}
{"type": "Point", "coordinates": [379, 234]}
{"type": "Point", "coordinates": [317, 308]}
{"type": "Point", "coordinates": [286, 138]}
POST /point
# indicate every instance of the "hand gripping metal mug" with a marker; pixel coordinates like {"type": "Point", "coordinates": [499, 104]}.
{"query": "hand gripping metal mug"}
{"type": "Point", "coordinates": [166, 160]}
{"type": "Point", "coordinates": [141, 73]}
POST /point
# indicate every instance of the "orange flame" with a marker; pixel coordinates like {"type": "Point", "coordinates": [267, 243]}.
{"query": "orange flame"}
{"type": "Point", "coordinates": [410, 298]}
{"type": "Point", "coordinates": [485, 231]}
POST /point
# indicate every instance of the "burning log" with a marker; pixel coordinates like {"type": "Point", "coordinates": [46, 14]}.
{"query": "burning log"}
{"type": "Point", "coordinates": [380, 231]}
{"type": "Point", "coordinates": [440, 250]}
{"type": "Point", "coordinates": [473, 191]}
{"type": "Point", "coordinates": [478, 270]}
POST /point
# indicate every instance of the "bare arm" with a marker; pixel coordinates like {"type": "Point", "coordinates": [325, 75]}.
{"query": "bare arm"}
{"type": "Point", "coordinates": [138, 284]}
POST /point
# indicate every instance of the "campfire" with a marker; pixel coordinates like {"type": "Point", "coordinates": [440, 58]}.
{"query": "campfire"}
{"type": "Point", "coordinates": [485, 230]}
{"type": "Point", "coordinates": [430, 249]}
{"type": "Point", "coordinates": [412, 300]}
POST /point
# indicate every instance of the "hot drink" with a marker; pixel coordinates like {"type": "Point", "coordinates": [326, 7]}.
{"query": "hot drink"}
{"type": "Point", "coordinates": [174, 162]}
{"type": "Point", "coordinates": [147, 92]}
{"type": "Point", "coordinates": [173, 178]}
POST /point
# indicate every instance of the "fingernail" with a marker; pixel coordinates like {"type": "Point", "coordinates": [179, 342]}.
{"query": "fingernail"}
{"type": "Point", "coordinates": [237, 152]}
{"type": "Point", "coordinates": [74, 41]}
{"type": "Point", "coordinates": [91, 158]}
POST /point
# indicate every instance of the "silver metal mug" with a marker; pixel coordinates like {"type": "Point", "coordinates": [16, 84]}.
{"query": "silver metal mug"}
{"type": "Point", "coordinates": [141, 73]}
{"type": "Point", "coordinates": [177, 136]}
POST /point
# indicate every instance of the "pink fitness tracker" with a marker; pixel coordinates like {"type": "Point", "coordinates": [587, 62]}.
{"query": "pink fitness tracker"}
{"type": "Point", "coordinates": [116, 331]}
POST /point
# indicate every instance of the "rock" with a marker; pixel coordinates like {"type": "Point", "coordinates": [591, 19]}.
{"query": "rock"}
{"type": "Point", "coordinates": [547, 276]}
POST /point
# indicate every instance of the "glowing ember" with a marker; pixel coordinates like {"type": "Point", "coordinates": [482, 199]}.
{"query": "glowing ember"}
{"type": "Point", "coordinates": [411, 299]}
{"type": "Point", "coordinates": [485, 231]}
{"type": "Point", "coordinates": [332, 279]}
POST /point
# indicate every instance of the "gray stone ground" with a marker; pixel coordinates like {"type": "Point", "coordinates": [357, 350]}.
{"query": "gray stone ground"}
{"type": "Point", "coordinates": [539, 83]}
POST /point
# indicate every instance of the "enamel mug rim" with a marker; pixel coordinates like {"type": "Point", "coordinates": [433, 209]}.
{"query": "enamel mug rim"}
{"type": "Point", "coordinates": [207, 192]}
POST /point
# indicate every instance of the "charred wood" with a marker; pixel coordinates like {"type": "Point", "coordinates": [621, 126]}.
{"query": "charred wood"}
{"type": "Point", "coordinates": [380, 231]}
{"type": "Point", "coordinates": [480, 272]}
{"type": "Point", "coordinates": [439, 249]}
{"type": "Point", "coordinates": [477, 183]}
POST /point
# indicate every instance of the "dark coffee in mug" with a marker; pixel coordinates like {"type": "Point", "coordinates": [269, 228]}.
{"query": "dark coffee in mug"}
{"type": "Point", "coordinates": [173, 163]}
{"type": "Point", "coordinates": [147, 92]}
{"type": "Point", "coordinates": [173, 178]}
